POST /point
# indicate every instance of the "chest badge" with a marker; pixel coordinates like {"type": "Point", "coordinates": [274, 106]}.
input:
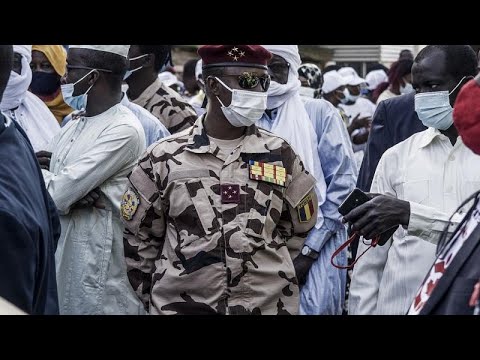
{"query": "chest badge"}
{"type": "Point", "coordinates": [267, 172]}
{"type": "Point", "coordinates": [230, 193]}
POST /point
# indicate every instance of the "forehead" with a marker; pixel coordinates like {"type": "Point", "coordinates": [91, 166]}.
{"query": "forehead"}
{"type": "Point", "coordinates": [76, 56]}
{"type": "Point", "coordinates": [431, 67]}
{"type": "Point", "coordinates": [38, 56]}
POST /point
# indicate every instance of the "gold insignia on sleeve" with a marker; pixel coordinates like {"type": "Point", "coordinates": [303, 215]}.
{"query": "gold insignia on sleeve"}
{"type": "Point", "coordinates": [129, 205]}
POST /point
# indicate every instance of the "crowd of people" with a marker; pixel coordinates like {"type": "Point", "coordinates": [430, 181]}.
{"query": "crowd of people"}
{"type": "Point", "coordinates": [128, 189]}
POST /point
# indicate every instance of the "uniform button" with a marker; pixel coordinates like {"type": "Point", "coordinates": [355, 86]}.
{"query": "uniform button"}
{"type": "Point", "coordinates": [449, 189]}
{"type": "Point", "coordinates": [452, 158]}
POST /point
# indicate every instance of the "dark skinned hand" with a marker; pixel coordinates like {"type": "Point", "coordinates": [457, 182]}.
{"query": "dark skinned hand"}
{"type": "Point", "coordinates": [358, 123]}
{"type": "Point", "coordinates": [91, 199]}
{"type": "Point", "coordinates": [378, 215]}
{"type": "Point", "coordinates": [302, 266]}
{"type": "Point", "coordinates": [44, 158]}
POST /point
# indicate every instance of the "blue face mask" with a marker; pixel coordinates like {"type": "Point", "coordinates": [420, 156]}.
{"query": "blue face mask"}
{"type": "Point", "coordinates": [434, 109]}
{"type": "Point", "coordinates": [130, 72]}
{"type": "Point", "coordinates": [78, 102]}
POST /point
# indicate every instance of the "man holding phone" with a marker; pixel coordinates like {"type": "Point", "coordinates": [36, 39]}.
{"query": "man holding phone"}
{"type": "Point", "coordinates": [418, 184]}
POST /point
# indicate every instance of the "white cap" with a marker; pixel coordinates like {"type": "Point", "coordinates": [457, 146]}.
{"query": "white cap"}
{"type": "Point", "coordinates": [351, 76]}
{"type": "Point", "coordinates": [332, 80]}
{"type": "Point", "coordinates": [375, 78]}
{"type": "Point", "coordinates": [25, 50]}
{"type": "Point", "coordinates": [121, 50]}
{"type": "Point", "coordinates": [330, 63]}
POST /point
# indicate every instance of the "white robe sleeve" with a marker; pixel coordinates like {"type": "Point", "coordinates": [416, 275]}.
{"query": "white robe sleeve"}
{"type": "Point", "coordinates": [106, 155]}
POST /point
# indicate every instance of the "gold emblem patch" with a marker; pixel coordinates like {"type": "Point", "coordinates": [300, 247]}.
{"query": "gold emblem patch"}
{"type": "Point", "coordinates": [129, 205]}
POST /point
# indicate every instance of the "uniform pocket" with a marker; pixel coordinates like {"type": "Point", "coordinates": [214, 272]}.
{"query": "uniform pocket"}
{"type": "Point", "coordinates": [265, 213]}
{"type": "Point", "coordinates": [192, 211]}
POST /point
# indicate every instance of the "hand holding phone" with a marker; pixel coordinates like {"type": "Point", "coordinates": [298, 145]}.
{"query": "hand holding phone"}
{"type": "Point", "coordinates": [356, 198]}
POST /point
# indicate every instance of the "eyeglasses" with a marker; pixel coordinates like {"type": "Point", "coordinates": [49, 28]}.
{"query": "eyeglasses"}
{"type": "Point", "coordinates": [250, 80]}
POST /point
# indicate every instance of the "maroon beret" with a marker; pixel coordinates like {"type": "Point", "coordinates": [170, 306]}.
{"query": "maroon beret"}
{"type": "Point", "coordinates": [466, 114]}
{"type": "Point", "coordinates": [234, 55]}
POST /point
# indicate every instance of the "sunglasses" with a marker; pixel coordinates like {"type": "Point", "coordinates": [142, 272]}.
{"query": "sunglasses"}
{"type": "Point", "coordinates": [250, 81]}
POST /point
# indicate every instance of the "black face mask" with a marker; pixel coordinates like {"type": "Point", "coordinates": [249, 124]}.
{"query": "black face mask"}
{"type": "Point", "coordinates": [44, 84]}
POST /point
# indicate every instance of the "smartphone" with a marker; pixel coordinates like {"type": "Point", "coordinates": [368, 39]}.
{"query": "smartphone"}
{"type": "Point", "coordinates": [356, 198]}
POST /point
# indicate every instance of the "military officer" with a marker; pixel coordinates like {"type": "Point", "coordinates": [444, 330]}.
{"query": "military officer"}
{"type": "Point", "coordinates": [209, 211]}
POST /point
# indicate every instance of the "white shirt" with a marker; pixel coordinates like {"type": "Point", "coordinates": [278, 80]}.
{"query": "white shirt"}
{"type": "Point", "coordinates": [153, 128]}
{"type": "Point", "coordinates": [91, 152]}
{"type": "Point", "coordinates": [435, 177]}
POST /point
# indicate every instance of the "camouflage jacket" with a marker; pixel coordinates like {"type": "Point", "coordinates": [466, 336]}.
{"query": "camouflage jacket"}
{"type": "Point", "coordinates": [168, 106]}
{"type": "Point", "coordinates": [203, 237]}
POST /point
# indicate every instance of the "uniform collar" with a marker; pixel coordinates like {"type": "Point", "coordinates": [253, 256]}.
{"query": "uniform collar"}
{"type": "Point", "coordinates": [198, 141]}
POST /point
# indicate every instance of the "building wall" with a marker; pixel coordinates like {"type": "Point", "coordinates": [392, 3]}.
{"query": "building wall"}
{"type": "Point", "coordinates": [354, 53]}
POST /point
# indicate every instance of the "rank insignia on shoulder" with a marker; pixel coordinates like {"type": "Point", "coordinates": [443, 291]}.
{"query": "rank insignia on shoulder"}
{"type": "Point", "coordinates": [129, 204]}
{"type": "Point", "coordinates": [267, 172]}
{"type": "Point", "coordinates": [305, 209]}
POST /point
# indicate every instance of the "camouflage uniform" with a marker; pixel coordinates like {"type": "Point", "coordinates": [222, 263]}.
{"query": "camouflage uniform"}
{"type": "Point", "coordinates": [188, 252]}
{"type": "Point", "coordinates": [168, 106]}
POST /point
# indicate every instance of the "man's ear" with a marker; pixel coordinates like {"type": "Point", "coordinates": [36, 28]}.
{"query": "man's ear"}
{"type": "Point", "coordinates": [213, 85]}
{"type": "Point", "coordinates": [93, 77]}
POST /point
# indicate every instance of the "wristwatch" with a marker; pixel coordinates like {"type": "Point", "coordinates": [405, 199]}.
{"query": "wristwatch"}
{"type": "Point", "coordinates": [306, 251]}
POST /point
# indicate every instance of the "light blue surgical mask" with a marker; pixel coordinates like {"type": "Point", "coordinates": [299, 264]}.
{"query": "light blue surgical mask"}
{"type": "Point", "coordinates": [130, 72]}
{"type": "Point", "coordinates": [434, 109]}
{"type": "Point", "coordinates": [78, 102]}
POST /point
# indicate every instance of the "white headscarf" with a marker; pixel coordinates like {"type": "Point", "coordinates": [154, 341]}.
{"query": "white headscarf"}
{"type": "Point", "coordinates": [30, 112]}
{"type": "Point", "coordinates": [292, 122]}
{"type": "Point", "coordinates": [18, 85]}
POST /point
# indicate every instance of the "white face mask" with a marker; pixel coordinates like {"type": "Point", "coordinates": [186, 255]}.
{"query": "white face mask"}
{"type": "Point", "coordinates": [434, 109]}
{"type": "Point", "coordinates": [346, 94]}
{"type": "Point", "coordinates": [246, 108]}
{"type": "Point", "coordinates": [307, 92]}
{"type": "Point", "coordinates": [407, 89]}
{"type": "Point", "coordinates": [350, 97]}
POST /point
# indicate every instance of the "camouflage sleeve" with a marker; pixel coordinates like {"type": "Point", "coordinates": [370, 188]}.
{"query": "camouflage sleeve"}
{"type": "Point", "coordinates": [182, 120]}
{"type": "Point", "coordinates": [144, 220]}
{"type": "Point", "coordinates": [301, 199]}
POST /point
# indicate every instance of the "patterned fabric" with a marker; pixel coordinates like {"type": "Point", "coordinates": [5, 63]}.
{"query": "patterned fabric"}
{"type": "Point", "coordinates": [443, 261]}
{"type": "Point", "coordinates": [189, 252]}
{"type": "Point", "coordinates": [168, 106]}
